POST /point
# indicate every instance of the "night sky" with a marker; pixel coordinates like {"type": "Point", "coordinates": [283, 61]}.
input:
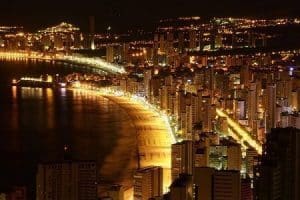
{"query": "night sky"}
{"type": "Point", "coordinates": [124, 14]}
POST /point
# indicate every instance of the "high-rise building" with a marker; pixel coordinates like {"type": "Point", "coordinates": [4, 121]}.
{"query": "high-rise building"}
{"type": "Point", "coordinates": [155, 85]}
{"type": "Point", "coordinates": [147, 79]}
{"type": "Point", "coordinates": [116, 192]}
{"type": "Point", "coordinates": [181, 42]}
{"type": "Point", "coordinates": [187, 132]}
{"type": "Point", "coordinates": [211, 184]}
{"type": "Point", "coordinates": [180, 104]}
{"type": "Point", "coordinates": [218, 41]}
{"type": "Point", "coordinates": [162, 44]}
{"type": "Point", "coordinates": [182, 188]}
{"type": "Point", "coordinates": [278, 175]}
{"type": "Point", "coordinates": [125, 53]}
{"type": "Point", "coordinates": [201, 157]}
{"type": "Point", "coordinates": [252, 103]}
{"type": "Point", "coordinates": [290, 120]}
{"type": "Point", "coordinates": [227, 155]}
{"type": "Point", "coordinates": [169, 43]}
{"type": "Point", "coordinates": [181, 163]}
{"type": "Point", "coordinates": [226, 185]}
{"type": "Point", "coordinates": [148, 183]}
{"type": "Point", "coordinates": [245, 75]}
{"type": "Point", "coordinates": [271, 119]}
{"type": "Point", "coordinates": [192, 41]}
{"type": "Point", "coordinates": [196, 105]}
{"type": "Point", "coordinates": [246, 190]}
{"type": "Point", "coordinates": [207, 114]}
{"type": "Point", "coordinates": [68, 180]}
{"type": "Point", "coordinates": [239, 109]}
{"type": "Point", "coordinates": [251, 161]}
{"type": "Point", "coordinates": [110, 53]}
{"type": "Point", "coordinates": [234, 155]}
{"type": "Point", "coordinates": [213, 34]}
{"type": "Point", "coordinates": [294, 99]}
{"type": "Point", "coordinates": [218, 157]}
{"type": "Point", "coordinates": [165, 91]}
{"type": "Point", "coordinates": [203, 181]}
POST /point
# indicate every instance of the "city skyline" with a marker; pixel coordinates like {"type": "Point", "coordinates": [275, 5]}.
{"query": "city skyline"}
{"type": "Point", "coordinates": [156, 100]}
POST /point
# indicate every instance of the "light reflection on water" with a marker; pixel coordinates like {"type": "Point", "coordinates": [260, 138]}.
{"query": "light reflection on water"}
{"type": "Point", "coordinates": [37, 123]}
{"type": "Point", "coordinates": [44, 120]}
{"type": "Point", "coordinates": [27, 92]}
{"type": "Point", "coordinates": [14, 92]}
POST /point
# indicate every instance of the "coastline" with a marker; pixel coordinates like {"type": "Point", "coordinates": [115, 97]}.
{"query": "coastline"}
{"type": "Point", "coordinates": [149, 146]}
{"type": "Point", "coordinates": [154, 142]}
{"type": "Point", "coordinates": [152, 139]}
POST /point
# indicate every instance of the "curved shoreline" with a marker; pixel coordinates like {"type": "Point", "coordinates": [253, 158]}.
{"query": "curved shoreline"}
{"type": "Point", "coordinates": [153, 139]}
{"type": "Point", "coordinates": [152, 135]}
{"type": "Point", "coordinates": [95, 62]}
{"type": "Point", "coordinates": [119, 165]}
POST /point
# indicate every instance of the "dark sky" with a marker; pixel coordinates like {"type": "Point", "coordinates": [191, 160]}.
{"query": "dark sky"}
{"type": "Point", "coordinates": [124, 14]}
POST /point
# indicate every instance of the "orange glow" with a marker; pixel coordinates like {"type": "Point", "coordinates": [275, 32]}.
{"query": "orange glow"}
{"type": "Point", "coordinates": [241, 132]}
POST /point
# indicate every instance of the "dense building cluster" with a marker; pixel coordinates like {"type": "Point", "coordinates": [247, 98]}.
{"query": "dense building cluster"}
{"type": "Point", "coordinates": [257, 92]}
{"type": "Point", "coordinates": [63, 37]}
{"type": "Point", "coordinates": [232, 97]}
{"type": "Point", "coordinates": [224, 106]}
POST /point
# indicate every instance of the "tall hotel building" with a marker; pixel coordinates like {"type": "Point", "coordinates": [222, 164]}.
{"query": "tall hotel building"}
{"type": "Point", "coordinates": [67, 180]}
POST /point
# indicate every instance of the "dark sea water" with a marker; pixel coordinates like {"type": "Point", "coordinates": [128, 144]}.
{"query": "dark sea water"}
{"type": "Point", "coordinates": [36, 124]}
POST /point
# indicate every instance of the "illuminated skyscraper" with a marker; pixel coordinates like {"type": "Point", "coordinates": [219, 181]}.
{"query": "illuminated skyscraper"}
{"type": "Point", "coordinates": [180, 104]}
{"type": "Point", "coordinates": [251, 161]}
{"type": "Point", "coordinates": [182, 163]}
{"type": "Point", "coordinates": [192, 39]}
{"type": "Point", "coordinates": [271, 119]}
{"type": "Point", "coordinates": [234, 154]}
{"type": "Point", "coordinates": [148, 183]}
{"type": "Point", "coordinates": [245, 75]}
{"type": "Point", "coordinates": [169, 43]}
{"type": "Point", "coordinates": [213, 34]}
{"type": "Point", "coordinates": [110, 53]}
{"type": "Point", "coordinates": [207, 114]}
{"type": "Point", "coordinates": [252, 103]}
{"type": "Point", "coordinates": [196, 105]}
{"type": "Point", "coordinates": [147, 79]}
{"type": "Point", "coordinates": [162, 43]}
{"type": "Point", "coordinates": [295, 99]}
{"type": "Point", "coordinates": [165, 91]}
{"type": "Point", "coordinates": [290, 120]}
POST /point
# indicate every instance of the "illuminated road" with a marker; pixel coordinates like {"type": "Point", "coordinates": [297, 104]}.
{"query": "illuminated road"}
{"type": "Point", "coordinates": [239, 133]}
{"type": "Point", "coordinates": [96, 63]}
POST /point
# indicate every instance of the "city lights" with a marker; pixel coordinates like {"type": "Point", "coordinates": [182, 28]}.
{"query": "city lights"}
{"type": "Point", "coordinates": [91, 62]}
{"type": "Point", "coordinates": [182, 108]}
{"type": "Point", "coordinates": [245, 136]}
